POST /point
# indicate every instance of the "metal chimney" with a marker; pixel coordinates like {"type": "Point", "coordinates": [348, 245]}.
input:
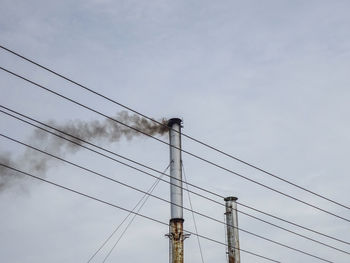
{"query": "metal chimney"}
{"type": "Point", "coordinates": [232, 230]}
{"type": "Point", "coordinates": [176, 235]}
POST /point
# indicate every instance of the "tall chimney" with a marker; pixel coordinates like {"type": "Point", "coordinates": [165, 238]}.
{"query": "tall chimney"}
{"type": "Point", "coordinates": [232, 230]}
{"type": "Point", "coordinates": [176, 235]}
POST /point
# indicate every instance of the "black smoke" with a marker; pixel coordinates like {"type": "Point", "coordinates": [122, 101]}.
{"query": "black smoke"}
{"type": "Point", "coordinates": [101, 132]}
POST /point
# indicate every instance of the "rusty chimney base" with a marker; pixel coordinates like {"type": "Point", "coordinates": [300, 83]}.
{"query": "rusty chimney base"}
{"type": "Point", "coordinates": [231, 257]}
{"type": "Point", "coordinates": [176, 240]}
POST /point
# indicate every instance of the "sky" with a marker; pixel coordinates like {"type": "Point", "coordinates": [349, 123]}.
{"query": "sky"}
{"type": "Point", "coordinates": [265, 81]}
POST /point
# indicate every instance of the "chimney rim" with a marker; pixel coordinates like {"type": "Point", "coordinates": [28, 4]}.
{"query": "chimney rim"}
{"type": "Point", "coordinates": [231, 198]}
{"type": "Point", "coordinates": [173, 121]}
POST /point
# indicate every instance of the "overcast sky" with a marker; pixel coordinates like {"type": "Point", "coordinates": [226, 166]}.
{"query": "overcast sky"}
{"type": "Point", "coordinates": [267, 81]}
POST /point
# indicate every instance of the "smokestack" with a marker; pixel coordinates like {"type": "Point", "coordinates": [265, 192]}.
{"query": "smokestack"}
{"type": "Point", "coordinates": [232, 230]}
{"type": "Point", "coordinates": [176, 235]}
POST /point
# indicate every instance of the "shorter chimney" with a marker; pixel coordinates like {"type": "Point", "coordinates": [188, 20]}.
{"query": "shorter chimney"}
{"type": "Point", "coordinates": [232, 230]}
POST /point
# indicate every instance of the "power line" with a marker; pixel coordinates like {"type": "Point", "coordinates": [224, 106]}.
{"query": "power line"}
{"type": "Point", "coordinates": [288, 222]}
{"type": "Point", "coordinates": [127, 210]}
{"type": "Point", "coordinates": [193, 216]}
{"type": "Point", "coordinates": [138, 163]}
{"type": "Point", "coordinates": [144, 198]}
{"type": "Point", "coordinates": [183, 134]}
{"type": "Point", "coordinates": [130, 109]}
{"type": "Point", "coordinates": [164, 200]}
{"type": "Point", "coordinates": [104, 155]}
{"type": "Point", "coordinates": [189, 153]}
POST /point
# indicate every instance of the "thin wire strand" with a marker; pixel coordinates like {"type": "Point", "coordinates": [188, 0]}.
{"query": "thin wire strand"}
{"type": "Point", "coordinates": [150, 190]}
{"type": "Point", "coordinates": [126, 210]}
{"type": "Point", "coordinates": [144, 198]}
{"type": "Point", "coordinates": [184, 151]}
{"type": "Point", "coordinates": [212, 200]}
{"type": "Point", "coordinates": [193, 216]}
{"type": "Point", "coordinates": [185, 135]}
{"type": "Point", "coordinates": [164, 200]}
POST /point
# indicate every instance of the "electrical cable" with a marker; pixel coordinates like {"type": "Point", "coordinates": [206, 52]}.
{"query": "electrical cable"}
{"type": "Point", "coordinates": [143, 198]}
{"type": "Point", "coordinates": [184, 151]}
{"type": "Point", "coordinates": [183, 134]}
{"type": "Point", "coordinates": [193, 216]}
{"type": "Point", "coordinates": [214, 201]}
{"type": "Point", "coordinates": [164, 200]}
{"type": "Point", "coordinates": [126, 210]}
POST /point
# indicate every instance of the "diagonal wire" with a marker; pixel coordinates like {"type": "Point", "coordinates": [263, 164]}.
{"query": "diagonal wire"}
{"type": "Point", "coordinates": [194, 218]}
{"type": "Point", "coordinates": [205, 197]}
{"type": "Point", "coordinates": [124, 209]}
{"type": "Point", "coordinates": [184, 151]}
{"type": "Point", "coordinates": [162, 199]}
{"type": "Point", "coordinates": [185, 135]}
{"type": "Point", "coordinates": [144, 199]}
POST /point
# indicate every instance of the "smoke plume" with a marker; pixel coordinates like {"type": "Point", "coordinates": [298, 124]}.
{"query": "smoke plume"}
{"type": "Point", "coordinates": [99, 132]}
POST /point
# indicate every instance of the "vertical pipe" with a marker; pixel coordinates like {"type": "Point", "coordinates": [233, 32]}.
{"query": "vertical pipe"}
{"type": "Point", "coordinates": [176, 235]}
{"type": "Point", "coordinates": [232, 230]}
{"type": "Point", "coordinates": [175, 168]}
